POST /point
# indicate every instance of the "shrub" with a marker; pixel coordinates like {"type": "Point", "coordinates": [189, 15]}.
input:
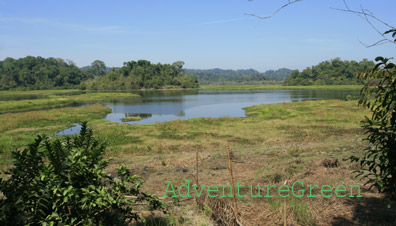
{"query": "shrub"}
{"type": "Point", "coordinates": [379, 161]}
{"type": "Point", "coordinates": [63, 182]}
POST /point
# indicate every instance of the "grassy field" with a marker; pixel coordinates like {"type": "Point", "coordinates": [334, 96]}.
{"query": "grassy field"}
{"type": "Point", "coordinates": [55, 99]}
{"type": "Point", "coordinates": [273, 144]}
{"type": "Point", "coordinates": [40, 92]}
{"type": "Point", "coordinates": [19, 129]}
{"type": "Point", "coordinates": [278, 142]}
{"type": "Point", "coordinates": [268, 87]}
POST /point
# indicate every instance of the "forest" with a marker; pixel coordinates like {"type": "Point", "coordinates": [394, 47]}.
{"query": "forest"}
{"type": "Point", "coordinates": [331, 72]}
{"type": "Point", "coordinates": [142, 74]}
{"type": "Point", "coordinates": [37, 73]}
{"type": "Point", "coordinates": [249, 76]}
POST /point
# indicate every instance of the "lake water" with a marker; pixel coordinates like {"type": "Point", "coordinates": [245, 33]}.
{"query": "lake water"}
{"type": "Point", "coordinates": [160, 106]}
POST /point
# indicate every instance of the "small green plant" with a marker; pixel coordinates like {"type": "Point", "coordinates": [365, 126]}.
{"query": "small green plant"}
{"type": "Point", "coordinates": [63, 182]}
{"type": "Point", "coordinates": [131, 119]}
{"type": "Point", "coordinates": [207, 211]}
{"type": "Point", "coordinates": [274, 204]}
{"type": "Point", "coordinates": [301, 212]}
{"type": "Point", "coordinates": [298, 207]}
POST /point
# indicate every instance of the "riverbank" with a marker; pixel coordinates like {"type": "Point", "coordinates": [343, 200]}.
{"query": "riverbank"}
{"type": "Point", "coordinates": [270, 87]}
{"type": "Point", "coordinates": [19, 129]}
{"type": "Point", "coordinates": [38, 100]}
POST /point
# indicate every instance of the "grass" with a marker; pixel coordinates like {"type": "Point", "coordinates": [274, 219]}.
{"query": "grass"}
{"type": "Point", "coordinates": [277, 142]}
{"type": "Point", "coordinates": [301, 212]}
{"type": "Point", "coordinates": [269, 87]}
{"type": "Point", "coordinates": [52, 99]}
{"type": "Point", "coordinates": [306, 125]}
{"type": "Point", "coordinates": [19, 129]}
{"type": "Point", "coordinates": [131, 119]}
{"type": "Point", "coordinates": [41, 92]}
{"type": "Point", "coordinates": [274, 143]}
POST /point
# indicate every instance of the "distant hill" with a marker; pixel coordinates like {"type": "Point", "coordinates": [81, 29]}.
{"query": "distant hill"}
{"type": "Point", "coordinates": [241, 76]}
{"type": "Point", "coordinates": [279, 74]}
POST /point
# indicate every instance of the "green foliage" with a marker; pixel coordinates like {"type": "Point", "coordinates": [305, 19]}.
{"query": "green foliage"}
{"type": "Point", "coordinates": [301, 212]}
{"type": "Point", "coordinates": [272, 87]}
{"type": "Point", "coordinates": [98, 68]}
{"type": "Point", "coordinates": [333, 72]}
{"type": "Point", "coordinates": [61, 100]}
{"type": "Point", "coordinates": [297, 207]}
{"type": "Point", "coordinates": [39, 73]}
{"type": "Point", "coordinates": [379, 161]}
{"type": "Point", "coordinates": [143, 75]}
{"type": "Point", "coordinates": [63, 182]}
{"type": "Point", "coordinates": [220, 76]}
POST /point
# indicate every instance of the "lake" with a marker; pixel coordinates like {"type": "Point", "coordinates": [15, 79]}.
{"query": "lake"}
{"type": "Point", "coordinates": [160, 106]}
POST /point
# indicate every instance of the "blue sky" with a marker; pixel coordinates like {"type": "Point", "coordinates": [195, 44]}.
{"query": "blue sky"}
{"type": "Point", "coordinates": [202, 33]}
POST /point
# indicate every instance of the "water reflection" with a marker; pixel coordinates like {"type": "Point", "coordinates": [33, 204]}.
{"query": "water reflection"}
{"type": "Point", "coordinates": [140, 115]}
{"type": "Point", "coordinates": [179, 104]}
{"type": "Point", "coordinates": [73, 130]}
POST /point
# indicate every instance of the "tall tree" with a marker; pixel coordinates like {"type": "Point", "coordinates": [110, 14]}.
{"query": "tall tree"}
{"type": "Point", "coordinates": [98, 68]}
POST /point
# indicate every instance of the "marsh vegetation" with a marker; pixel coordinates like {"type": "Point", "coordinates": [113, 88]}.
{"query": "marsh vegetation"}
{"type": "Point", "coordinates": [273, 143]}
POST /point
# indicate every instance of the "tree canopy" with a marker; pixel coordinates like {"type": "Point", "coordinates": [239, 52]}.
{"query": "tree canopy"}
{"type": "Point", "coordinates": [143, 74]}
{"type": "Point", "coordinates": [98, 68]}
{"type": "Point", "coordinates": [332, 72]}
{"type": "Point", "coordinates": [220, 76]}
{"type": "Point", "coordinates": [39, 73]}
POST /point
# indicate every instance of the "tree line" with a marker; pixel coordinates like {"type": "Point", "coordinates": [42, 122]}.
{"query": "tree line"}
{"type": "Point", "coordinates": [39, 73]}
{"type": "Point", "coordinates": [248, 76]}
{"type": "Point", "coordinates": [142, 74]}
{"type": "Point", "coordinates": [34, 73]}
{"type": "Point", "coordinates": [331, 72]}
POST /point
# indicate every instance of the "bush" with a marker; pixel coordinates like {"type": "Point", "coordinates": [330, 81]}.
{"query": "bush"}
{"type": "Point", "coordinates": [379, 161]}
{"type": "Point", "coordinates": [63, 182]}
